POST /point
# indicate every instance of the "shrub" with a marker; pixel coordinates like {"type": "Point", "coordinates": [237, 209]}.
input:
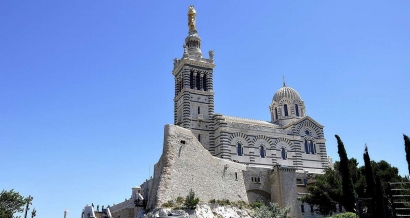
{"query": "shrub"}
{"type": "Point", "coordinates": [168, 204]}
{"type": "Point", "coordinates": [256, 204]}
{"type": "Point", "coordinates": [212, 201]}
{"type": "Point", "coordinates": [180, 200]}
{"type": "Point", "coordinates": [191, 201]}
{"type": "Point", "coordinates": [240, 204]}
{"type": "Point", "coordinates": [271, 211]}
{"type": "Point", "coordinates": [345, 215]}
{"type": "Point", "coordinates": [223, 202]}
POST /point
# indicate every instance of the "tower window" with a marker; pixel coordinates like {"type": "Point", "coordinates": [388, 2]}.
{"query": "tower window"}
{"type": "Point", "coordinates": [198, 82]}
{"type": "Point", "coordinates": [285, 107]}
{"type": "Point", "coordinates": [199, 137]}
{"type": "Point", "coordinates": [199, 110]}
{"type": "Point", "coordinates": [276, 112]}
{"type": "Point", "coordinates": [312, 148]}
{"type": "Point", "coordinates": [297, 109]}
{"type": "Point", "coordinates": [262, 151]}
{"type": "Point", "coordinates": [302, 208]}
{"type": "Point", "coordinates": [240, 149]}
{"type": "Point", "coordinates": [306, 147]}
{"type": "Point", "coordinates": [236, 176]}
{"type": "Point", "coordinates": [284, 154]}
{"type": "Point", "coordinates": [191, 80]}
{"type": "Point", "coordinates": [204, 81]}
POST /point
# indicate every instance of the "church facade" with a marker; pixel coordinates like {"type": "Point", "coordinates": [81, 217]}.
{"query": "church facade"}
{"type": "Point", "coordinates": [290, 138]}
{"type": "Point", "coordinates": [224, 157]}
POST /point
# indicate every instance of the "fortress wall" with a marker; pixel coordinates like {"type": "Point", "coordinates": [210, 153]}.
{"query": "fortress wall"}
{"type": "Point", "coordinates": [185, 164]}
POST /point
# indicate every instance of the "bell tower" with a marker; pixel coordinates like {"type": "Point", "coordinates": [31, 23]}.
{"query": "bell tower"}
{"type": "Point", "coordinates": [194, 95]}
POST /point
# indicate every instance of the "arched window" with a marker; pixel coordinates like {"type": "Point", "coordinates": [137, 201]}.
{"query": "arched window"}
{"type": "Point", "coordinates": [204, 83]}
{"type": "Point", "coordinates": [297, 109]}
{"type": "Point", "coordinates": [199, 110]}
{"type": "Point", "coordinates": [276, 112]}
{"type": "Point", "coordinates": [199, 137]}
{"type": "Point", "coordinates": [284, 155]}
{"type": "Point", "coordinates": [312, 148]}
{"type": "Point", "coordinates": [285, 107]}
{"type": "Point", "coordinates": [262, 151]}
{"type": "Point", "coordinates": [198, 81]}
{"type": "Point", "coordinates": [191, 80]}
{"type": "Point", "coordinates": [240, 149]}
{"type": "Point", "coordinates": [306, 147]}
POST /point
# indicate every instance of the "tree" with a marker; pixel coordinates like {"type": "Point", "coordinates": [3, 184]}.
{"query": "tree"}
{"type": "Point", "coordinates": [348, 191]}
{"type": "Point", "coordinates": [326, 192]}
{"type": "Point", "coordinates": [370, 184]}
{"type": "Point", "coordinates": [12, 202]}
{"type": "Point", "coordinates": [191, 201]}
{"type": "Point", "coordinates": [407, 149]}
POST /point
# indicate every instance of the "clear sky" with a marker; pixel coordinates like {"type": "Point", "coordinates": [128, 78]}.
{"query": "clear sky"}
{"type": "Point", "coordinates": [86, 86]}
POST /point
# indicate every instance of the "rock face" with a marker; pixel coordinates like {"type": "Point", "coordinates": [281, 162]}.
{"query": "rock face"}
{"type": "Point", "coordinates": [185, 164]}
{"type": "Point", "coordinates": [202, 211]}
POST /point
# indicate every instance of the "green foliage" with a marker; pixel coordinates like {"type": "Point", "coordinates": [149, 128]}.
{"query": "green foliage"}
{"type": "Point", "coordinates": [168, 204]}
{"type": "Point", "coordinates": [180, 200]}
{"type": "Point", "coordinates": [223, 202]}
{"type": "Point", "coordinates": [240, 204]}
{"type": "Point", "coordinates": [191, 201]}
{"type": "Point", "coordinates": [271, 211]}
{"type": "Point", "coordinates": [348, 191]}
{"type": "Point", "coordinates": [345, 215]}
{"type": "Point", "coordinates": [256, 204]}
{"type": "Point", "coordinates": [407, 149]}
{"type": "Point", "coordinates": [12, 202]}
{"type": "Point", "coordinates": [212, 201]}
{"type": "Point", "coordinates": [326, 192]}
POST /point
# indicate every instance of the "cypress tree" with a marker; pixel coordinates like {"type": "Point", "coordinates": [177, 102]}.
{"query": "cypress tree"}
{"type": "Point", "coordinates": [407, 149]}
{"type": "Point", "coordinates": [379, 199]}
{"type": "Point", "coordinates": [370, 182]}
{"type": "Point", "coordinates": [348, 192]}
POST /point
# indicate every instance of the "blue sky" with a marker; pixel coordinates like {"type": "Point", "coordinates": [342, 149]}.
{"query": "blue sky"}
{"type": "Point", "coordinates": [86, 86]}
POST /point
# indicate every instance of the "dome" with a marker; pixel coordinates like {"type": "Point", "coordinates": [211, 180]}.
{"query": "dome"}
{"type": "Point", "coordinates": [286, 92]}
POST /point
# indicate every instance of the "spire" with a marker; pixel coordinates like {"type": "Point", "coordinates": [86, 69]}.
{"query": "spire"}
{"type": "Point", "coordinates": [284, 82]}
{"type": "Point", "coordinates": [192, 41]}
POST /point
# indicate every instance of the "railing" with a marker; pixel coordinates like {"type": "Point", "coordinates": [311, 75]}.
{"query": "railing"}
{"type": "Point", "coordinates": [399, 193]}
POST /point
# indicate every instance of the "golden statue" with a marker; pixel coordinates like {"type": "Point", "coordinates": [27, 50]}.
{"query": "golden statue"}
{"type": "Point", "coordinates": [191, 18]}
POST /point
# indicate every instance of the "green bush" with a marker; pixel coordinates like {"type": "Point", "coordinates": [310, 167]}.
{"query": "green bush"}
{"type": "Point", "coordinates": [212, 201]}
{"type": "Point", "coordinates": [271, 211]}
{"type": "Point", "coordinates": [345, 215]}
{"type": "Point", "coordinates": [180, 200]}
{"type": "Point", "coordinates": [223, 202]}
{"type": "Point", "coordinates": [168, 204]}
{"type": "Point", "coordinates": [191, 201]}
{"type": "Point", "coordinates": [240, 204]}
{"type": "Point", "coordinates": [256, 204]}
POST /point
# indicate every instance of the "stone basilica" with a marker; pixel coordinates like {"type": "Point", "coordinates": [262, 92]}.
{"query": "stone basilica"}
{"type": "Point", "coordinates": [224, 157]}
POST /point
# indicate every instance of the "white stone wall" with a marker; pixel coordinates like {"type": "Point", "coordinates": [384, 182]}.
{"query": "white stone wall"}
{"type": "Point", "coordinates": [186, 165]}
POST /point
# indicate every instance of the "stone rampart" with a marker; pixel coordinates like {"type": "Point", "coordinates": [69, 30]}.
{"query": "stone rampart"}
{"type": "Point", "coordinates": [185, 164]}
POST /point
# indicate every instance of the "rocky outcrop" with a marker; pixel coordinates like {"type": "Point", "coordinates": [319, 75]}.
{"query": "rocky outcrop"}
{"type": "Point", "coordinates": [202, 211]}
